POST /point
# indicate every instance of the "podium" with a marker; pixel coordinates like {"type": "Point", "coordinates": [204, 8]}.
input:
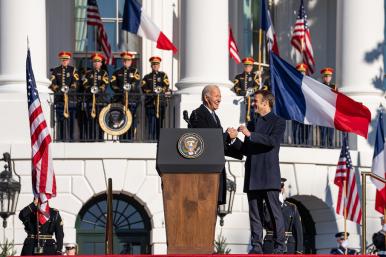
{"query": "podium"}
{"type": "Point", "coordinates": [189, 162]}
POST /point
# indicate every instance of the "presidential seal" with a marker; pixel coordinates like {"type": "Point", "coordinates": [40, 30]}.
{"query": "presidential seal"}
{"type": "Point", "coordinates": [190, 145]}
{"type": "Point", "coordinates": [115, 120]}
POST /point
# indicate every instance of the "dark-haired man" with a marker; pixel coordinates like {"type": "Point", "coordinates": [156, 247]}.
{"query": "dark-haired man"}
{"type": "Point", "coordinates": [262, 183]}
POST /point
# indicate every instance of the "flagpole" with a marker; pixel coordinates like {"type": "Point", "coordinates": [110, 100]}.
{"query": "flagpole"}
{"type": "Point", "coordinates": [363, 213]}
{"type": "Point", "coordinates": [259, 73]}
{"type": "Point", "coordinates": [384, 219]}
{"type": "Point", "coordinates": [345, 210]}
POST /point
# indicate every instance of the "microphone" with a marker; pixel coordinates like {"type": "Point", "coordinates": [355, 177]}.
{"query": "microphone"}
{"type": "Point", "coordinates": [186, 118]}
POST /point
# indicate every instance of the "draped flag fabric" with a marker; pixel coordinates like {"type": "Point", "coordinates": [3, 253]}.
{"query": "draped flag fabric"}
{"type": "Point", "coordinates": [94, 19]}
{"type": "Point", "coordinates": [267, 26]}
{"type": "Point", "coordinates": [137, 22]}
{"type": "Point", "coordinates": [43, 176]}
{"type": "Point", "coordinates": [379, 166]}
{"type": "Point", "coordinates": [233, 50]}
{"type": "Point", "coordinates": [301, 39]}
{"type": "Point", "coordinates": [306, 100]}
{"type": "Point", "coordinates": [345, 179]}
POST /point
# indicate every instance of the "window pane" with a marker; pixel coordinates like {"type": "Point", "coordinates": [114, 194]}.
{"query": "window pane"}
{"type": "Point", "coordinates": [111, 35]}
{"type": "Point", "coordinates": [91, 38]}
{"type": "Point", "coordinates": [107, 8]}
{"type": "Point", "coordinates": [80, 25]}
{"type": "Point", "coordinates": [121, 6]}
{"type": "Point", "coordinates": [128, 41]}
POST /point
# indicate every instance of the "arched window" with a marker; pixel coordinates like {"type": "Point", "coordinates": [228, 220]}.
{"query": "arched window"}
{"type": "Point", "coordinates": [131, 226]}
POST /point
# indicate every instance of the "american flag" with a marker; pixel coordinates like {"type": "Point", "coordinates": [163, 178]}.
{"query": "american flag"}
{"type": "Point", "coordinates": [94, 19]}
{"type": "Point", "coordinates": [233, 50]}
{"type": "Point", "coordinates": [345, 179]}
{"type": "Point", "coordinates": [43, 176]}
{"type": "Point", "coordinates": [301, 39]}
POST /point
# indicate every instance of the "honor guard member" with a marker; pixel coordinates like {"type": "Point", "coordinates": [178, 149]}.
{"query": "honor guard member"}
{"type": "Point", "coordinates": [245, 84]}
{"type": "Point", "coordinates": [125, 84]}
{"type": "Point", "coordinates": [40, 232]}
{"type": "Point", "coordinates": [155, 86]}
{"type": "Point", "coordinates": [379, 240]}
{"type": "Point", "coordinates": [94, 86]}
{"type": "Point", "coordinates": [301, 132]}
{"type": "Point", "coordinates": [327, 134]}
{"type": "Point", "coordinates": [293, 226]}
{"type": "Point", "coordinates": [343, 245]}
{"type": "Point", "coordinates": [64, 83]}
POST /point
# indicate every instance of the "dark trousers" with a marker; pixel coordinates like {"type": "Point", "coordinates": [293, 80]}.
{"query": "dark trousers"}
{"type": "Point", "coordinates": [154, 124]}
{"type": "Point", "coordinates": [269, 245]}
{"type": "Point", "coordinates": [65, 126]}
{"type": "Point", "coordinates": [326, 136]}
{"type": "Point", "coordinates": [49, 247]}
{"type": "Point", "coordinates": [256, 217]}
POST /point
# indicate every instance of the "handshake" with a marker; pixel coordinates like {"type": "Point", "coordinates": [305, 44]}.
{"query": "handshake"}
{"type": "Point", "coordinates": [232, 132]}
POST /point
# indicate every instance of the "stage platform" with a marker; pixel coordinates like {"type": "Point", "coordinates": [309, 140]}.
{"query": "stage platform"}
{"type": "Point", "coordinates": [204, 255]}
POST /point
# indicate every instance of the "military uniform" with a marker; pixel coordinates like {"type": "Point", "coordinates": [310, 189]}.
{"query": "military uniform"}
{"type": "Point", "coordinates": [342, 250]}
{"type": "Point", "coordinates": [302, 133]}
{"type": "Point", "coordinates": [327, 133]}
{"type": "Point", "coordinates": [132, 77]}
{"type": "Point", "coordinates": [379, 242]}
{"type": "Point", "coordinates": [64, 79]}
{"type": "Point", "coordinates": [293, 228]}
{"type": "Point", "coordinates": [151, 81]}
{"type": "Point", "coordinates": [95, 79]}
{"type": "Point", "coordinates": [54, 225]}
{"type": "Point", "coordinates": [246, 82]}
{"type": "Point", "coordinates": [243, 81]}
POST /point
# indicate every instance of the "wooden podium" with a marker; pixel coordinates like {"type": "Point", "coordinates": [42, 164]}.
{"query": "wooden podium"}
{"type": "Point", "coordinates": [190, 189]}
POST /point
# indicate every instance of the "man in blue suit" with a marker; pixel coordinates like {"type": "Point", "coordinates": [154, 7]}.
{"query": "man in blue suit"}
{"type": "Point", "coordinates": [263, 135]}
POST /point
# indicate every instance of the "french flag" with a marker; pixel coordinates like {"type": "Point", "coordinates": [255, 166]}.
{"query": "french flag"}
{"type": "Point", "coordinates": [306, 100]}
{"type": "Point", "coordinates": [266, 25]}
{"type": "Point", "coordinates": [137, 22]}
{"type": "Point", "coordinates": [379, 166]}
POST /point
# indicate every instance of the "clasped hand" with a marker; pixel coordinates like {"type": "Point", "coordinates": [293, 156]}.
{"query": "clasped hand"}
{"type": "Point", "coordinates": [232, 132]}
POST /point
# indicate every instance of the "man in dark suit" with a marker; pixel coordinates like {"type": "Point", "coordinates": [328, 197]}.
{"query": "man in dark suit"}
{"type": "Point", "coordinates": [261, 146]}
{"type": "Point", "coordinates": [205, 117]}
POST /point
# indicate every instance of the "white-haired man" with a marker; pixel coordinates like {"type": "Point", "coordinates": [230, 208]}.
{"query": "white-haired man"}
{"type": "Point", "coordinates": [205, 117]}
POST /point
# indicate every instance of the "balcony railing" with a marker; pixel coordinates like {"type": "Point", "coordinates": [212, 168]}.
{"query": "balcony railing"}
{"type": "Point", "coordinates": [80, 126]}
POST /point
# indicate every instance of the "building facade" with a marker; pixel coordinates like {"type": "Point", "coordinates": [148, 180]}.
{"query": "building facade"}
{"type": "Point", "coordinates": [199, 28]}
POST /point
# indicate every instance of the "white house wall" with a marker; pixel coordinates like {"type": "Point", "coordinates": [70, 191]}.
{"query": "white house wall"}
{"type": "Point", "coordinates": [83, 169]}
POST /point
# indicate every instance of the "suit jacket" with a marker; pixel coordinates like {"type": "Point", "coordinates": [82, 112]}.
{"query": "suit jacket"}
{"type": "Point", "coordinates": [262, 170]}
{"type": "Point", "coordinates": [202, 118]}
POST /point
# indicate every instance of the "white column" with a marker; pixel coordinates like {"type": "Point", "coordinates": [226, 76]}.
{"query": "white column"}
{"type": "Point", "coordinates": [204, 45]}
{"type": "Point", "coordinates": [19, 19]}
{"type": "Point", "coordinates": [204, 59]}
{"type": "Point", "coordinates": [360, 39]}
